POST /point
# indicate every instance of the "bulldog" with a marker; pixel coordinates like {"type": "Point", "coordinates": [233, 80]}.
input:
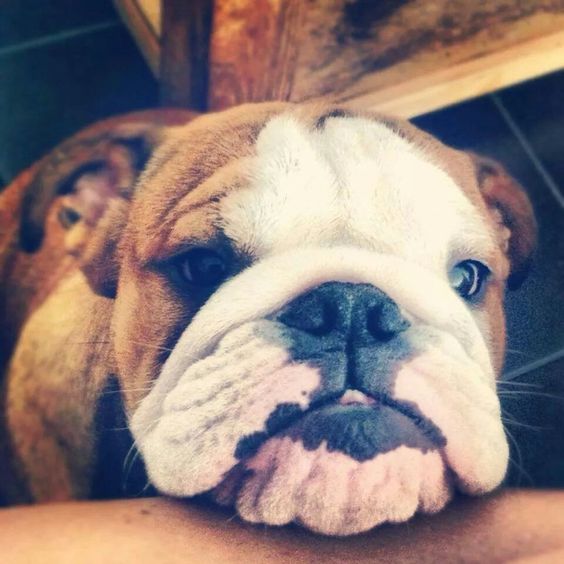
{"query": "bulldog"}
{"type": "Point", "coordinates": [302, 305]}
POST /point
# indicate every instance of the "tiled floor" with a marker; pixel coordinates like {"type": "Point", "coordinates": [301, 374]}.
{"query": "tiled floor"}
{"type": "Point", "coordinates": [64, 64]}
{"type": "Point", "coordinates": [25, 21]}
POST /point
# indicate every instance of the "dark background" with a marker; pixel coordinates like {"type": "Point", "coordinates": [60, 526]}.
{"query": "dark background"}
{"type": "Point", "coordinates": [67, 63]}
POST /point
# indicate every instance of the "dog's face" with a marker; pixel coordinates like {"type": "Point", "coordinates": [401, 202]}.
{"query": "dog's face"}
{"type": "Point", "coordinates": [308, 320]}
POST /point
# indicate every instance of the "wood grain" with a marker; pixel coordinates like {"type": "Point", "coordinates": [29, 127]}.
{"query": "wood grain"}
{"type": "Point", "coordinates": [186, 26]}
{"type": "Point", "coordinates": [441, 87]}
{"type": "Point", "coordinates": [254, 51]}
{"type": "Point", "coordinates": [407, 56]}
{"type": "Point", "coordinates": [143, 28]}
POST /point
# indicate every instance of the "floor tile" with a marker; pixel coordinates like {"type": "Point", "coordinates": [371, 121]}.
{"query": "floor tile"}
{"type": "Point", "coordinates": [50, 93]}
{"type": "Point", "coordinates": [25, 20]}
{"type": "Point", "coordinates": [535, 313]}
{"type": "Point", "coordinates": [538, 109]}
{"type": "Point", "coordinates": [537, 427]}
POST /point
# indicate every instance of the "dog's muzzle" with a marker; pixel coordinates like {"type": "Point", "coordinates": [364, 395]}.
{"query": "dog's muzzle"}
{"type": "Point", "coordinates": [351, 333]}
{"type": "Point", "coordinates": [340, 399]}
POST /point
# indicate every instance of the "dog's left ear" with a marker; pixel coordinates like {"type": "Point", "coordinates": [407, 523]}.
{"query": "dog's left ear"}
{"type": "Point", "coordinates": [513, 211]}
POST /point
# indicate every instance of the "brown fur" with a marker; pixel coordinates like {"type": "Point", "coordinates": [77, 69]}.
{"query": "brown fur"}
{"type": "Point", "coordinates": [61, 326]}
{"type": "Point", "coordinates": [70, 334]}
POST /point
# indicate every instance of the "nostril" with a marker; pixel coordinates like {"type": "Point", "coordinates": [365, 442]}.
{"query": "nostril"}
{"type": "Point", "coordinates": [310, 313]}
{"type": "Point", "coordinates": [350, 310]}
{"type": "Point", "coordinates": [385, 321]}
{"type": "Point", "coordinates": [327, 321]}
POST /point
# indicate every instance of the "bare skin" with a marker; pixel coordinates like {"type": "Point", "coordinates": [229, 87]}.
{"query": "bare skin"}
{"type": "Point", "coordinates": [507, 526]}
{"type": "Point", "coordinates": [513, 525]}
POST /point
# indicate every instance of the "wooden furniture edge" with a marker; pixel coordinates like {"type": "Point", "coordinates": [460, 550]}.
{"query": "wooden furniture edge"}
{"type": "Point", "coordinates": [142, 32]}
{"type": "Point", "coordinates": [442, 87]}
{"type": "Point", "coordinates": [184, 56]}
{"type": "Point", "coordinates": [185, 83]}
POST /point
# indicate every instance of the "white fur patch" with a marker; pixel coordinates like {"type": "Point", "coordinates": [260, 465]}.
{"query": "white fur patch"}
{"type": "Point", "coordinates": [217, 401]}
{"type": "Point", "coordinates": [354, 182]}
{"type": "Point", "coordinates": [442, 382]}
{"type": "Point", "coordinates": [353, 202]}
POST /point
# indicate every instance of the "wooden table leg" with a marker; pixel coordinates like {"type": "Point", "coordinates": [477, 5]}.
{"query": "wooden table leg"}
{"type": "Point", "coordinates": [186, 28]}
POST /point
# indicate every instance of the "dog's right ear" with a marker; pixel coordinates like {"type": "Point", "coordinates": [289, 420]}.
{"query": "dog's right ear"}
{"type": "Point", "coordinates": [89, 166]}
{"type": "Point", "coordinates": [95, 212]}
{"type": "Point", "coordinates": [91, 178]}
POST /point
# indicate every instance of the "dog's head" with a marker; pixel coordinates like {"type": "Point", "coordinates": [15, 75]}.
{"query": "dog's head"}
{"type": "Point", "coordinates": [308, 314]}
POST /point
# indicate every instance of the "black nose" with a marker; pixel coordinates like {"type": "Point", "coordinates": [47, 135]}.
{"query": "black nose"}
{"type": "Point", "coordinates": [354, 311]}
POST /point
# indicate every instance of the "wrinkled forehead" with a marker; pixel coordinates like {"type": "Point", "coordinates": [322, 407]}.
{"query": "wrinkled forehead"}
{"type": "Point", "coordinates": [353, 181]}
{"type": "Point", "coordinates": [290, 180]}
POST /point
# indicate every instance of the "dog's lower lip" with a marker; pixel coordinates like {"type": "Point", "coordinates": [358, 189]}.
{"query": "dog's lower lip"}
{"type": "Point", "coordinates": [354, 397]}
{"type": "Point", "coordinates": [349, 398]}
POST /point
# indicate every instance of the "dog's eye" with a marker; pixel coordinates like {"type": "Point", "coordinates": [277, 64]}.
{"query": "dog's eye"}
{"type": "Point", "coordinates": [202, 267]}
{"type": "Point", "coordinates": [468, 277]}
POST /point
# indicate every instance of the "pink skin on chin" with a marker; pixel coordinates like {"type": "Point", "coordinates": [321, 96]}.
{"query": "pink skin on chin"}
{"type": "Point", "coordinates": [332, 493]}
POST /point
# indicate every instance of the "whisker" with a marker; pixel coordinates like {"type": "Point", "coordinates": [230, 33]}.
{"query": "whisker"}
{"type": "Point", "coordinates": [134, 458]}
{"type": "Point", "coordinates": [514, 422]}
{"type": "Point", "coordinates": [129, 453]}
{"type": "Point", "coordinates": [128, 462]}
{"type": "Point", "coordinates": [144, 389]}
{"type": "Point", "coordinates": [141, 343]}
{"type": "Point", "coordinates": [144, 489]}
{"type": "Point", "coordinates": [515, 351]}
{"type": "Point", "coordinates": [529, 369]}
{"type": "Point", "coordinates": [518, 384]}
{"type": "Point", "coordinates": [529, 393]}
{"type": "Point", "coordinates": [522, 472]}
{"type": "Point", "coordinates": [150, 346]}
{"type": "Point", "coordinates": [90, 343]}
{"type": "Point", "coordinates": [518, 464]}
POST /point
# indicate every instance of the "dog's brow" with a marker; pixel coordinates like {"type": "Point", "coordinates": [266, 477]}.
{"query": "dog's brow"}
{"type": "Point", "coordinates": [184, 217]}
{"type": "Point", "coordinates": [202, 196]}
{"type": "Point", "coordinates": [205, 201]}
{"type": "Point", "coordinates": [335, 113]}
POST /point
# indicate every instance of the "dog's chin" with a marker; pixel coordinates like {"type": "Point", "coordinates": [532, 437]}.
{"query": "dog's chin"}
{"type": "Point", "coordinates": [341, 470]}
